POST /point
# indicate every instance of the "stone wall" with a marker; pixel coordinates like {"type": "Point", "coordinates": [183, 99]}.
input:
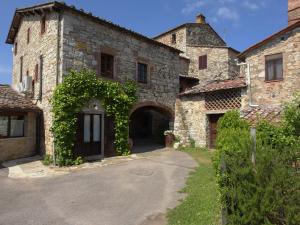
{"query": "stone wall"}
{"type": "Point", "coordinates": [217, 63]}
{"type": "Point", "coordinates": [202, 35]}
{"type": "Point", "coordinates": [190, 121]}
{"type": "Point", "coordinates": [40, 45]}
{"type": "Point", "coordinates": [293, 11]}
{"type": "Point", "coordinates": [13, 148]}
{"type": "Point", "coordinates": [180, 39]}
{"type": "Point", "coordinates": [85, 39]}
{"type": "Point", "coordinates": [275, 92]}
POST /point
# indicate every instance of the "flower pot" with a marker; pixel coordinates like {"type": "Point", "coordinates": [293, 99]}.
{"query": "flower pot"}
{"type": "Point", "coordinates": [169, 140]}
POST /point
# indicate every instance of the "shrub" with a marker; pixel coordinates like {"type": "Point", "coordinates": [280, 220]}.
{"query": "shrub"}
{"type": "Point", "coordinates": [264, 192]}
{"type": "Point", "coordinates": [48, 160]}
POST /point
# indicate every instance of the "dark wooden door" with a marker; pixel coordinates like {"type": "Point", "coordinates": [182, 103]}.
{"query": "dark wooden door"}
{"type": "Point", "coordinates": [213, 129]}
{"type": "Point", "coordinates": [88, 135]}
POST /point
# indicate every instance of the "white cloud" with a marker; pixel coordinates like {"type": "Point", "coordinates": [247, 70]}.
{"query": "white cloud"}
{"type": "Point", "coordinates": [192, 6]}
{"type": "Point", "coordinates": [251, 5]}
{"type": "Point", "coordinates": [227, 13]}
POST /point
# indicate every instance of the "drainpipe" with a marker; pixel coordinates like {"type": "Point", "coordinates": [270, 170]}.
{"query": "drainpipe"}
{"type": "Point", "coordinates": [248, 82]}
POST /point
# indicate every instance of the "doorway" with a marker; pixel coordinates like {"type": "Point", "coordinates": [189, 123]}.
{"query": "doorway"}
{"type": "Point", "coordinates": [213, 129]}
{"type": "Point", "coordinates": [89, 135]}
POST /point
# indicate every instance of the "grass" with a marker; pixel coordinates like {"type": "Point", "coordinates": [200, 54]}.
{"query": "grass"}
{"type": "Point", "coordinates": [201, 206]}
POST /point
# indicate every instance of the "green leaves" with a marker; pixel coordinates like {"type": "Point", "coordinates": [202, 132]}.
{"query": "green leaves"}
{"type": "Point", "coordinates": [266, 192]}
{"type": "Point", "coordinates": [78, 88]}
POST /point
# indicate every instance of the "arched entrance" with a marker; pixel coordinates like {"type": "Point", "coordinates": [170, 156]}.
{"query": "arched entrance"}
{"type": "Point", "coordinates": [148, 121]}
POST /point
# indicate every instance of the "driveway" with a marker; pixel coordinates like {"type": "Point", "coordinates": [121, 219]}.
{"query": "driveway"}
{"type": "Point", "coordinates": [136, 192]}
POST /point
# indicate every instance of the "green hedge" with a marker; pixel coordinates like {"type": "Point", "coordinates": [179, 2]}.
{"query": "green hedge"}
{"type": "Point", "coordinates": [267, 191]}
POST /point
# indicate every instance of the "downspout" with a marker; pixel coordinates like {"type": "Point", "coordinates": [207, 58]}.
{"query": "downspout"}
{"type": "Point", "coordinates": [58, 60]}
{"type": "Point", "coordinates": [248, 82]}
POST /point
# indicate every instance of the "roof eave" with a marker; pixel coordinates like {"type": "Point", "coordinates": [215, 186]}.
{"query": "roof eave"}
{"type": "Point", "coordinates": [267, 40]}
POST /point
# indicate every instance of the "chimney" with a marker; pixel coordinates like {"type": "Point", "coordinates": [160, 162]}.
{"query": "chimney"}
{"type": "Point", "coordinates": [201, 19]}
{"type": "Point", "coordinates": [293, 11]}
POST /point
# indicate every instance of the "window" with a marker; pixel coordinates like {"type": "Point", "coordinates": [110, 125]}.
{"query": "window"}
{"type": "Point", "coordinates": [107, 65]}
{"type": "Point", "coordinates": [36, 72]}
{"type": "Point", "coordinates": [173, 39]}
{"type": "Point", "coordinates": [142, 73]}
{"type": "Point", "coordinates": [274, 67]}
{"type": "Point", "coordinates": [43, 25]}
{"type": "Point", "coordinates": [202, 62]}
{"type": "Point", "coordinates": [16, 48]}
{"type": "Point", "coordinates": [28, 35]}
{"type": "Point", "coordinates": [21, 68]}
{"type": "Point", "coordinates": [11, 126]}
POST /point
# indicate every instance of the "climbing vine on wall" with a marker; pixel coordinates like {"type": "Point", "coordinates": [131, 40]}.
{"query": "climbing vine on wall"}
{"type": "Point", "coordinates": [77, 89]}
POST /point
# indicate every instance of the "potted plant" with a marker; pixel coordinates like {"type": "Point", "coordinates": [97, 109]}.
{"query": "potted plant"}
{"type": "Point", "coordinates": [169, 138]}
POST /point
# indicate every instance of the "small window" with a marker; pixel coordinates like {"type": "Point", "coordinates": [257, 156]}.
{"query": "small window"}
{"type": "Point", "coordinates": [202, 62]}
{"type": "Point", "coordinates": [173, 39]}
{"type": "Point", "coordinates": [28, 35]}
{"type": "Point", "coordinates": [274, 67]}
{"type": "Point", "coordinates": [21, 69]}
{"type": "Point", "coordinates": [43, 25]}
{"type": "Point", "coordinates": [142, 72]}
{"type": "Point", "coordinates": [11, 126]}
{"type": "Point", "coordinates": [107, 65]}
{"type": "Point", "coordinates": [36, 72]}
{"type": "Point", "coordinates": [16, 48]}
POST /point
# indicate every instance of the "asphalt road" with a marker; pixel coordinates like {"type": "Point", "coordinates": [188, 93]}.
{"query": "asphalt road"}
{"type": "Point", "coordinates": [137, 192]}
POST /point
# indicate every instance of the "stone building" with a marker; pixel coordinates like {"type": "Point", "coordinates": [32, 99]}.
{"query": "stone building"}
{"type": "Point", "coordinates": [19, 120]}
{"type": "Point", "coordinates": [53, 38]}
{"type": "Point", "coordinates": [206, 57]}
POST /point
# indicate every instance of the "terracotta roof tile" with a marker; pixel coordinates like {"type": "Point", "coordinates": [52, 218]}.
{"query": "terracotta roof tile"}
{"type": "Point", "coordinates": [216, 86]}
{"type": "Point", "coordinates": [13, 101]}
{"type": "Point", "coordinates": [269, 113]}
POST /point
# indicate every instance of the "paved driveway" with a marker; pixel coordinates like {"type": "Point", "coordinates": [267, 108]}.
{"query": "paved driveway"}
{"type": "Point", "coordinates": [136, 192]}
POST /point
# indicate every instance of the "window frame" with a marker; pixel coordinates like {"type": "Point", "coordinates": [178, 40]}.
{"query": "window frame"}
{"type": "Point", "coordinates": [202, 61]}
{"type": "Point", "coordinates": [274, 58]}
{"type": "Point", "coordinates": [145, 81]}
{"type": "Point", "coordinates": [173, 38]}
{"type": "Point", "coordinates": [28, 35]}
{"type": "Point", "coordinates": [43, 24]}
{"type": "Point", "coordinates": [104, 74]}
{"type": "Point", "coordinates": [9, 115]}
{"type": "Point", "coordinates": [16, 48]}
{"type": "Point", "coordinates": [21, 69]}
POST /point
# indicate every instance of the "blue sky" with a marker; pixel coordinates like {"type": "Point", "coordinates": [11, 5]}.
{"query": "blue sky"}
{"type": "Point", "coordinates": [240, 22]}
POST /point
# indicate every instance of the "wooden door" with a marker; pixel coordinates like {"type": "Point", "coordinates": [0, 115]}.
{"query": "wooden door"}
{"type": "Point", "coordinates": [88, 135]}
{"type": "Point", "coordinates": [213, 129]}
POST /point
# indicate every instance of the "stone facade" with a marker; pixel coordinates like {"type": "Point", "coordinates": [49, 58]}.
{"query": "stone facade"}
{"type": "Point", "coordinates": [293, 11]}
{"type": "Point", "coordinates": [40, 45]}
{"type": "Point", "coordinates": [198, 39]}
{"type": "Point", "coordinates": [13, 148]}
{"type": "Point", "coordinates": [275, 92]}
{"type": "Point", "coordinates": [85, 39]}
{"type": "Point", "coordinates": [74, 40]}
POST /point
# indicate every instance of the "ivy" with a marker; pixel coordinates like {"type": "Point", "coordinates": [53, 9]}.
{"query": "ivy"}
{"type": "Point", "coordinates": [77, 89]}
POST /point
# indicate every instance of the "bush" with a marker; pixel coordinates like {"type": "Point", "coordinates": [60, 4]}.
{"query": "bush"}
{"type": "Point", "coordinates": [264, 192]}
{"type": "Point", "coordinates": [48, 160]}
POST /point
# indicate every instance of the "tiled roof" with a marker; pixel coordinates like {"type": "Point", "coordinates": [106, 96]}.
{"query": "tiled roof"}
{"type": "Point", "coordinates": [269, 113]}
{"type": "Point", "coordinates": [11, 100]}
{"type": "Point", "coordinates": [216, 86]}
{"type": "Point", "coordinates": [58, 6]}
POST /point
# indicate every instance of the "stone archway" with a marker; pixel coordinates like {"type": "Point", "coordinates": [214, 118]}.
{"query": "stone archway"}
{"type": "Point", "coordinates": [148, 121]}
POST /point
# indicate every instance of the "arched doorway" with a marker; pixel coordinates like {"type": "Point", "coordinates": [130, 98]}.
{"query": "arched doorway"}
{"type": "Point", "coordinates": [148, 121]}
